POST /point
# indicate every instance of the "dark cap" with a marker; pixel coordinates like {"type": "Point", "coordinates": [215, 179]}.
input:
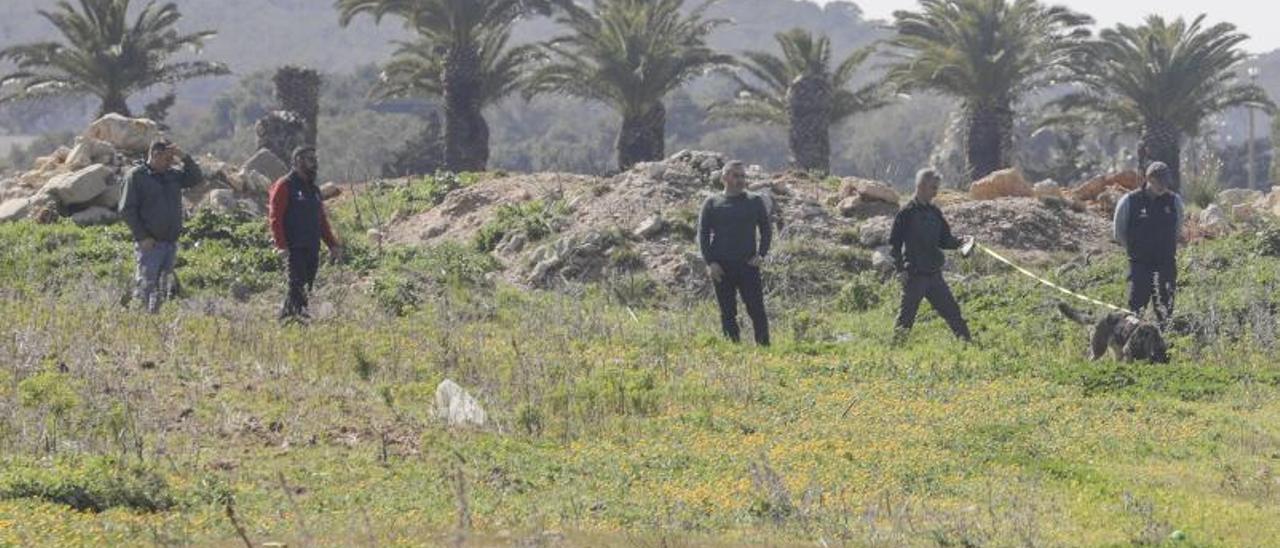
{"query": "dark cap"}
{"type": "Point", "coordinates": [1160, 172]}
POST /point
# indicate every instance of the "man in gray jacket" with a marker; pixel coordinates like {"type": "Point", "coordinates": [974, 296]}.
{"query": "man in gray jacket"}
{"type": "Point", "coordinates": [151, 204]}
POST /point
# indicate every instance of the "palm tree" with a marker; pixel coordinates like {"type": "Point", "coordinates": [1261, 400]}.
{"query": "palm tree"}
{"type": "Point", "coordinates": [799, 91]}
{"type": "Point", "coordinates": [630, 54]}
{"type": "Point", "coordinates": [105, 54]}
{"type": "Point", "coordinates": [454, 33]}
{"type": "Point", "coordinates": [416, 70]}
{"type": "Point", "coordinates": [1161, 80]}
{"type": "Point", "coordinates": [988, 54]}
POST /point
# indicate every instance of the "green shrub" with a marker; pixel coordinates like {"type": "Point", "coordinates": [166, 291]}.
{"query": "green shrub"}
{"type": "Point", "coordinates": [94, 486]}
{"type": "Point", "coordinates": [407, 275]}
{"type": "Point", "coordinates": [536, 219]}
{"type": "Point", "coordinates": [859, 294]}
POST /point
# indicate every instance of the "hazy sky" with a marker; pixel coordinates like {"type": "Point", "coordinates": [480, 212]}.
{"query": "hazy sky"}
{"type": "Point", "coordinates": [1260, 19]}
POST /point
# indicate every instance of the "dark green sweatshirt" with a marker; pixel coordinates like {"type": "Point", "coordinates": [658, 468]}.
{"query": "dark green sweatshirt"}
{"type": "Point", "coordinates": [727, 228]}
{"type": "Point", "coordinates": [151, 203]}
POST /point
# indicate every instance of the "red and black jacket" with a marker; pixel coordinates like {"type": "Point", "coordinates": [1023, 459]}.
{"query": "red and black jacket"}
{"type": "Point", "coordinates": [297, 216]}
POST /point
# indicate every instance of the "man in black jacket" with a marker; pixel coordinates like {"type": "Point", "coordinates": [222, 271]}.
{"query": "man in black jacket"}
{"type": "Point", "coordinates": [299, 223]}
{"type": "Point", "coordinates": [151, 204]}
{"type": "Point", "coordinates": [727, 239]}
{"type": "Point", "coordinates": [919, 235]}
{"type": "Point", "coordinates": [1148, 222]}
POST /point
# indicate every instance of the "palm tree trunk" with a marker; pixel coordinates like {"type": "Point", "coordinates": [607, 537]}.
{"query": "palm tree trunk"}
{"type": "Point", "coordinates": [988, 138]}
{"type": "Point", "coordinates": [466, 134]}
{"type": "Point", "coordinates": [114, 102]}
{"type": "Point", "coordinates": [1161, 142]}
{"type": "Point", "coordinates": [809, 109]}
{"type": "Point", "coordinates": [642, 137]}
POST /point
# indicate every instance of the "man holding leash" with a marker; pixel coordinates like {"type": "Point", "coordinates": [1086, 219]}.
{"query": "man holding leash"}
{"type": "Point", "coordinates": [1148, 222]}
{"type": "Point", "coordinates": [917, 239]}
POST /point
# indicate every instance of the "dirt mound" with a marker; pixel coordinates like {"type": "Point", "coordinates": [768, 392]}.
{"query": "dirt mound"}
{"type": "Point", "coordinates": [1029, 224]}
{"type": "Point", "coordinates": [552, 228]}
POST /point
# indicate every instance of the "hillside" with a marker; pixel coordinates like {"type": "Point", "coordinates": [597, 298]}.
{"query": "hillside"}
{"type": "Point", "coordinates": [616, 415]}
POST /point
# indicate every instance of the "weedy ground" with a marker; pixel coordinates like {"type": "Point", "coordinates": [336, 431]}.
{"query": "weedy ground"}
{"type": "Point", "coordinates": [618, 421]}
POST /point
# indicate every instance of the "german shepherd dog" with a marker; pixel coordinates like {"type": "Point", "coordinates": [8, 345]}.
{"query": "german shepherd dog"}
{"type": "Point", "coordinates": [1129, 337]}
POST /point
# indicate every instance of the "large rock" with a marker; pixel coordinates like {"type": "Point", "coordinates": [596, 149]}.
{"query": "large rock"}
{"type": "Point", "coordinates": [456, 407]}
{"type": "Point", "coordinates": [1235, 196]}
{"type": "Point", "coordinates": [650, 227]}
{"type": "Point", "coordinates": [874, 232]}
{"type": "Point", "coordinates": [52, 162]}
{"type": "Point", "coordinates": [15, 209]}
{"type": "Point", "coordinates": [267, 163]}
{"type": "Point", "coordinates": [252, 182]}
{"type": "Point", "coordinates": [220, 200]}
{"type": "Point", "coordinates": [90, 151]}
{"type": "Point", "coordinates": [869, 190]}
{"type": "Point", "coordinates": [1213, 220]}
{"type": "Point", "coordinates": [131, 135]}
{"type": "Point", "coordinates": [80, 186]}
{"type": "Point", "coordinates": [96, 215]}
{"type": "Point", "coordinates": [110, 198]}
{"type": "Point", "coordinates": [1006, 183]}
{"type": "Point", "coordinates": [330, 190]}
{"type": "Point", "coordinates": [857, 207]}
{"type": "Point", "coordinates": [1123, 181]}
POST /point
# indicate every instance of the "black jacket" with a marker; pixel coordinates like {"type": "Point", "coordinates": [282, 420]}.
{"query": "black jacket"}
{"type": "Point", "coordinates": [727, 228]}
{"type": "Point", "coordinates": [919, 235]}
{"type": "Point", "coordinates": [151, 202]}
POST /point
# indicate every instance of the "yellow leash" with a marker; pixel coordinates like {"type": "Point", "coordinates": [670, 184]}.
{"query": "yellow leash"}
{"type": "Point", "coordinates": [1037, 278]}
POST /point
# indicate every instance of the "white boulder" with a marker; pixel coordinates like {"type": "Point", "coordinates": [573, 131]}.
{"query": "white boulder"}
{"type": "Point", "coordinates": [90, 151]}
{"type": "Point", "coordinates": [125, 134]}
{"type": "Point", "coordinates": [81, 186]}
{"type": "Point", "coordinates": [95, 215]}
{"type": "Point", "coordinates": [456, 407]}
{"type": "Point", "coordinates": [267, 163]}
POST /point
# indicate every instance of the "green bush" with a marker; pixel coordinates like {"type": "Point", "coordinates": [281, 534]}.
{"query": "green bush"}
{"type": "Point", "coordinates": [536, 219]}
{"type": "Point", "coordinates": [95, 485]}
{"type": "Point", "coordinates": [859, 294]}
{"type": "Point", "coordinates": [407, 275]}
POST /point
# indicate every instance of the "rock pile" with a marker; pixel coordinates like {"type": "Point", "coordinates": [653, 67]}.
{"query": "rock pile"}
{"type": "Point", "coordinates": [84, 181]}
{"type": "Point", "coordinates": [864, 199]}
{"type": "Point", "coordinates": [642, 220]}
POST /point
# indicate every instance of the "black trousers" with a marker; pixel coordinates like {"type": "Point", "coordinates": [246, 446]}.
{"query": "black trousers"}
{"type": "Point", "coordinates": [918, 287]}
{"type": "Point", "coordinates": [1153, 281]}
{"type": "Point", "coordinates": [742, 279]}
{"type": "Point", "coordinates": [304, 262]}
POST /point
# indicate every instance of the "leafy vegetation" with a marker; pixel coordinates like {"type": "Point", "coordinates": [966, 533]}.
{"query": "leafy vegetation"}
{"type": "Point", "coordinates": [105, 56]}
{"type": "Point", "coordinates": [1162, 80]}
{"type": "Point", "coordinates": [608, 410]}
{"type": "Point", "coordinates": [989, 54]}
{"type": "Point", "coordinates": [630, 54]}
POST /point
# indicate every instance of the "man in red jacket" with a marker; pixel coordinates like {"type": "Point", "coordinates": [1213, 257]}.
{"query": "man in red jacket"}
{"type": "Point", "coordinates": [298, 224]}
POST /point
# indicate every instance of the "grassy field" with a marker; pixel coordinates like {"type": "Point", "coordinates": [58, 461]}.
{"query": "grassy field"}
{"type": "Point", "coordinates": [636, 425]}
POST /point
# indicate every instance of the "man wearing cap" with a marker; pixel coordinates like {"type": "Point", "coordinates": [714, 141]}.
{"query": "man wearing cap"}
{"type": "Point", "coordinates": [298, 225]}
{"type": "Point", "coordinates": [727, 230]}
{"type": "Point", "coordinates": [916, 241]}
{"type": "Point", "coordinates": [151, 204]}
{"type": "Point", "coordinates": [1148, 222]}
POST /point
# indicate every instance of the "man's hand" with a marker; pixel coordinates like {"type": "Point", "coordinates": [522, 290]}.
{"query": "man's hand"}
{"type": "Point", "coordinates": [755, 261]}
{"type": "Point", "coordinates": [336, 254]}
{"type": "Point", "coordinates": [147, 244]}
{"type": "Point", "coordinates": [715, 271]}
